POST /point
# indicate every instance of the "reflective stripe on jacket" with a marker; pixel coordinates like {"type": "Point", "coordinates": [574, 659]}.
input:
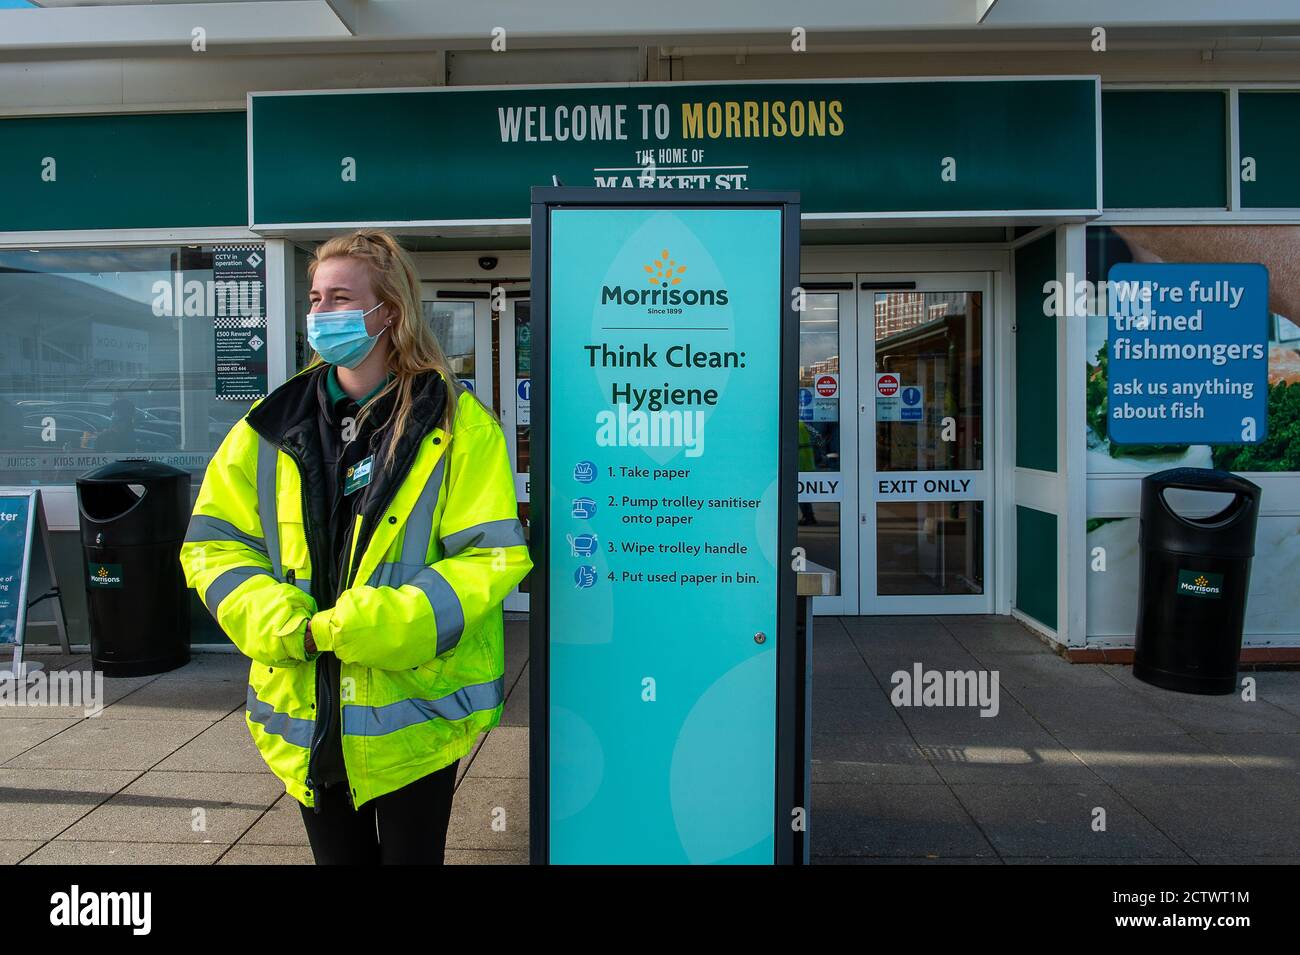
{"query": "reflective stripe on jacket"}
{"type": "Point", "coordinates": [417, 625]}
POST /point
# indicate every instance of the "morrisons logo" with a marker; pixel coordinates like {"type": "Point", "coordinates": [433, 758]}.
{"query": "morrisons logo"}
{"type": "Point", "coordinates": [106, 575]}
{"type": "Point", "coordinates": [1194, 583]}
{"type": "Point", "coordinates": [664, 274]}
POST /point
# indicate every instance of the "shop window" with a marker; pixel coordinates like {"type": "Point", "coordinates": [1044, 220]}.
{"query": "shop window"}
{"type": "Point", "coordinates": [110, 353]}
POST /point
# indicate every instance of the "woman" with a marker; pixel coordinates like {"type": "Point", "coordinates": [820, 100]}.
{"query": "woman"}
{"type": "Point", "coordinates": [355, 536]}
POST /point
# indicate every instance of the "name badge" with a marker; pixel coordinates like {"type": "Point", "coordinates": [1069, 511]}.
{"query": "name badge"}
{"type": "Point", "coordinates": [358, 475]}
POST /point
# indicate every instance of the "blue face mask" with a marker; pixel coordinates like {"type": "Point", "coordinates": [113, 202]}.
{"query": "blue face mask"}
{"type": "Point", "coordinates": [340, 338]}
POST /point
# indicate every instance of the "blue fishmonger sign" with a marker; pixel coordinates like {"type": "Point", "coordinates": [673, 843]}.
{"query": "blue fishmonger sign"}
{"type": "Point", "coordinates": [1187, 353]}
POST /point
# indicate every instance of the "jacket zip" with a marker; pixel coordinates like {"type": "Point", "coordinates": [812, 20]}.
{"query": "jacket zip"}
{"type": "Point", "coordinates": [324, 712]}
{"type": "Point", "coordinates": [354, 532]}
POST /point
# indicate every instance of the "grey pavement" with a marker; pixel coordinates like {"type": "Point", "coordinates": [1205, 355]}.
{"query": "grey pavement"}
{"type": "Point", "coordinates": [1081, 764]}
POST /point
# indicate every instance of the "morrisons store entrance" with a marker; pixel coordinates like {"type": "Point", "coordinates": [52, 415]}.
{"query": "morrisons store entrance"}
{"type": "Point", "coordinates": [897, 486]}
{"type": "Point", "coordinates": [909, 240]}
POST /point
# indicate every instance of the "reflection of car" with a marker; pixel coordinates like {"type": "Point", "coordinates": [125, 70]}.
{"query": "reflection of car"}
{"type": "Point", "coordinates": [80, 429]}
{"type": "Point", "coordinates": [157, 427]}
{"type": "Point", "coordinates": [50, 406]}
{"type": "Point", "coordinates": [99, 415]}
{"type": "Point", "coordinates": [144, 440]}
{"type": "Point", "coordinates": [151, 421]}
{"type": "Point", "coordinates": [67, 424]}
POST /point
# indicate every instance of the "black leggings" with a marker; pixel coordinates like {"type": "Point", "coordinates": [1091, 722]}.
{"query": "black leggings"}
{"type": "Point", "coordinates": [405, 827]}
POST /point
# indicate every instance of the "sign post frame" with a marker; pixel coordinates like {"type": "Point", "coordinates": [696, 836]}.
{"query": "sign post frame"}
{"type": "Point", "coordinates": [36, 535]}
{"type": "Point", "coordinates": [789, 782]}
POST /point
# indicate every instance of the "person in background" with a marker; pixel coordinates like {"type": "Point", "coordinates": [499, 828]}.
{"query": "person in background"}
{"type": "Point", "coordinates": [807, 462]}
{"type": "Point", "coordinates": [120, 434]}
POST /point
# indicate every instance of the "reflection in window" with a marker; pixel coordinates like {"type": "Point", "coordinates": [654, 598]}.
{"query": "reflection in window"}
{"type": "Point", "coordinates": [819, 383]}
{"type": "Point", "coordinates": [106, 353]}
{"type": "Point", "coordinates": [929, 547]}
{"type": "Point", "coordinates": [930, 347]}
{"type": "Point", "coordinates": [819, 535]}
{"type": "Point", "coordinates": [453, 326]}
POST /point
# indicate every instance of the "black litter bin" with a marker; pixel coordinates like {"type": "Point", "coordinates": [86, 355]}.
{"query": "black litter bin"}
{"type": "Point", "coordinates": [1194, 579]}
{"type": "Point", "coordinates": [134, 514]}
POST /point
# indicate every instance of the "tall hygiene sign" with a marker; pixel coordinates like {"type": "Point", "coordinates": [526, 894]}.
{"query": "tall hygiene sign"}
{"type": "Point", "coordinates": [664, 419]}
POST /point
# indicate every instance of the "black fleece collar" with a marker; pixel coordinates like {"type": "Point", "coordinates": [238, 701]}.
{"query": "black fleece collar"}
{"type": "Point", "coordinates": [287, 417]}
{"type": "Point", "coordinates": [302, 398]}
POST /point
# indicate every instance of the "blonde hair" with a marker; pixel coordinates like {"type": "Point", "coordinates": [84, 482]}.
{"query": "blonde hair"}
{"type": "Point", "coordinates": [414, 348]}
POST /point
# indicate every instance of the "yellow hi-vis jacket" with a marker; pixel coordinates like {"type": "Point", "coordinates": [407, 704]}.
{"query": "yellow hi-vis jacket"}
{"type": "Point", "coordinates": [416, 623]}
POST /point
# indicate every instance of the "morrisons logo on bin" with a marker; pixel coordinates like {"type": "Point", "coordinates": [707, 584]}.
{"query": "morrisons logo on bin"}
{"type": "Point", "coordinates": [1194, 583]}
{"type": "Point", "coordinates": [665, 274]}
{"type": "Point", "coordinates": [106, 575]}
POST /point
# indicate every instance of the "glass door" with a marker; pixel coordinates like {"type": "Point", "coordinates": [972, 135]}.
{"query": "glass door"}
{"type": "Point", "coordinates": [461, 318]}
{"type": "Point", "coordinates": [516, 400]}
{"type": "Point", "coordinates": [827, 448]}
{"type": "Point", "coordinates": [925, 522]}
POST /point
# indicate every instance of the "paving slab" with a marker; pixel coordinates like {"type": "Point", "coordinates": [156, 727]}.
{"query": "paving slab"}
{"type": "Point", "coordinates": [1017, 670]}
{"type": "Point", "coordinates": [862, 759]}
{"type": "Point", "coordinates": [164, 807]}
{"type": "Point", "coordinates": [1281, 688]}
{"type": "Point", "coordinates": [941, 723]}
{"type": "Point", "coordinates": [110, 744]}
{"type": "Point", "coordinates": [224, 747]}
{"type": "Point", "coordinates": [999, 637]}
{"type": "Point", "coordinates": [19, 734]}
{"type": "Point", "coordinates": [1228, 714]}
{"type": "Point", "coordinates": [40, 803]}
{"type": "Point", "coordinates": [1168, 758]}
{"type": "Point", "coordinates": [483, 857]}
{"type": "Point", "coordinates": [1081, 712]}
{"type": "Point", "coordinates": [914, 821]}
{"type": "Point", "coordinates": [1008, 759]}
{"type": "Point", "coordinates": [210, 665]}
{"type": "Point", "coordinates": [855, 710]}
{"type": "Point", "coordinates": [1263, 755]}
{"type": "Point", "coordinates": [1057, 821]}
{"type": "Point", "coordinates": [838, 663]}
{"type": "Point", "coordinates": [1043, 860]}
{"type": "Point", "coordinates": [489, 814]}
{"type": "Point", "coordinates": [1224, 820]}
{"type": "Point", "coordinates": [468, 760]}
{"type": "Point", "coordinates": [178, 698]}
{"type": "Point", "coordinates": [515, 712]}
{"type": "Point", "coordinates": [503, 755]}
{"type": "Point", "coordinates": [90, 693]}
{"type": "Point", "coordinates": [1245, 860]}
{"type": "Point", "coordinates": [73, 852]}
{"type": "Point", "coordinates": [281, 825]}
{"type": "Point", "coordinates": [267, 855]}
{"type": "Point", "coordinates": [905, 860]}
{"type": "Point", "coordinates": [53, 658]}
{"type": "Point", "coordinates": [13, 851]}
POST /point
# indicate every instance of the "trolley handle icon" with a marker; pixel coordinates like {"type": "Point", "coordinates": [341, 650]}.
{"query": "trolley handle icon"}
{"type": "Point", "coordinates": [583, 545]}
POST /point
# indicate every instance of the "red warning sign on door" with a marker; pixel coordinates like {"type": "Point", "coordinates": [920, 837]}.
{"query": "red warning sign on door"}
{"type": "Point", "coordinates": [886, 385]}
{"type": "Point", "coordinates": [827, 385]}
